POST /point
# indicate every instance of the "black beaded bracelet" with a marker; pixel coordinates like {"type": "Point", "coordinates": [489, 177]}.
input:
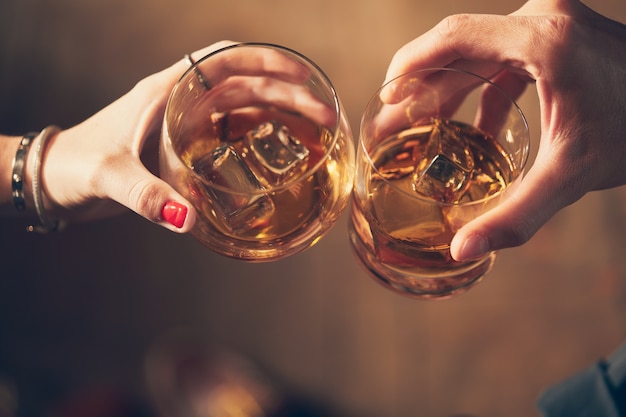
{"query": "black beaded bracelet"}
{"type": "Point", "coordinates": [17, 177]}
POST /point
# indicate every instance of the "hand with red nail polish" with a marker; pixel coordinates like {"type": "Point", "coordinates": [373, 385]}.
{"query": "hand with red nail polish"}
{"type": "Point", "coordinates": [106, 164]}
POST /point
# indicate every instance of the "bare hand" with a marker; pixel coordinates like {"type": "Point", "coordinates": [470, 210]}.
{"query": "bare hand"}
{"type": "Point", "coordinates": [577, 59]}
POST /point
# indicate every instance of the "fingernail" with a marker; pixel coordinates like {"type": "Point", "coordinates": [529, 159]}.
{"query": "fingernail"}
{"type": "Point", "coordinates": [474, 247]}
{"type": "Point", "coordinates": [174, 213]}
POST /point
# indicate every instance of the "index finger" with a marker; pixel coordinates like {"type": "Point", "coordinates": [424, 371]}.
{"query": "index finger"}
{"type": "Point", "coordinates": [481, 44]}
{"type": "Point", "coordinates": [253, 59]}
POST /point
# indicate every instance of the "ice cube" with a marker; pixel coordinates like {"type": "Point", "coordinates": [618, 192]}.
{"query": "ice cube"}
{"type": "Point", "coordinates": [277, 154]}
{"type": "Point", "coordinates": [246, 206]}
{"type": "Point", "coordinates": [447, 139]}
{"type": "Point", "coordinates": [445, 169]}
{"type": "Point", "coordinates": [442, 180]}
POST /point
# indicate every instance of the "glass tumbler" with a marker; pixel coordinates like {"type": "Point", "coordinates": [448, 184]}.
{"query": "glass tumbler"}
{"type": "Point", "coordinates": [255, 137]}
{"type": "Point", "coordinates": [437, 148]}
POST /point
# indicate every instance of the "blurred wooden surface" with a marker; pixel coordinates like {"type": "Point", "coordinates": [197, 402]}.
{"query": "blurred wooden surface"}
{"type": "Point", "coordinates": [83, 307]}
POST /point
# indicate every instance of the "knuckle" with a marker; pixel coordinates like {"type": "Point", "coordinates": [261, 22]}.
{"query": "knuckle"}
{"type": "Point", "coordinates": [519, 225]}
{"type": "Point", "coordinates": [452, 25]}
{"type": "Point", "coordinates": [519, 232]}
{"type": "Point", "coordinates": [143, 198]}
{"type": "Point", "coordinates": [462, 33]}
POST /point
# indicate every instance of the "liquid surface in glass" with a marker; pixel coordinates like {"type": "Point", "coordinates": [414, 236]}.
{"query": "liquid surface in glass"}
{"type": "Point", "coordinates": [254, 180]}
{"type": "Point", "coordinates": [423, 175]}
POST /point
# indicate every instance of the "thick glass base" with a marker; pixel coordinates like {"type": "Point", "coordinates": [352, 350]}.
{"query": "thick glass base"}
{"type": "Point", "coordinates": [256, 251]}
{"type": "Point", "coordinates": [421, 283]}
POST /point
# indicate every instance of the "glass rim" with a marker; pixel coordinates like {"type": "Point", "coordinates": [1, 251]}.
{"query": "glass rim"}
{"type": "Point", "coordinates": [522, 164]}
{"type": "Point", "coordinates": [310, 171]}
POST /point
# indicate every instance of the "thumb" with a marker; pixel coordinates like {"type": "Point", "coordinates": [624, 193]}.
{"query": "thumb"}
{"type": "Point", "coordinates": [152, 198]}
{"type": "Point", "coordinates": [537, 198]}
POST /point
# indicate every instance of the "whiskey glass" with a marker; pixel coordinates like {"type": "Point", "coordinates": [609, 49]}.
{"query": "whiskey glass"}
{"type": "Point", "coordinates": [437, 148]}
{"type": "Point", "coordinates": [255, 137]}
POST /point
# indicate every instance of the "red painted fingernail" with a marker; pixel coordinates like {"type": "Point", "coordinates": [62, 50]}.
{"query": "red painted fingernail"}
{"type": "Point", "coordinates": [174, 213]}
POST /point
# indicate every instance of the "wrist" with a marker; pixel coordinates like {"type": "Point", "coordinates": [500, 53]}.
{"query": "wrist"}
{"type": "Point", "coordinates": [21, 182]}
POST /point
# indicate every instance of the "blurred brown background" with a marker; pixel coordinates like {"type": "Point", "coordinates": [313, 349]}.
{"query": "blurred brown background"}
{"type": "Point", "coordinates": [82, 308]}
